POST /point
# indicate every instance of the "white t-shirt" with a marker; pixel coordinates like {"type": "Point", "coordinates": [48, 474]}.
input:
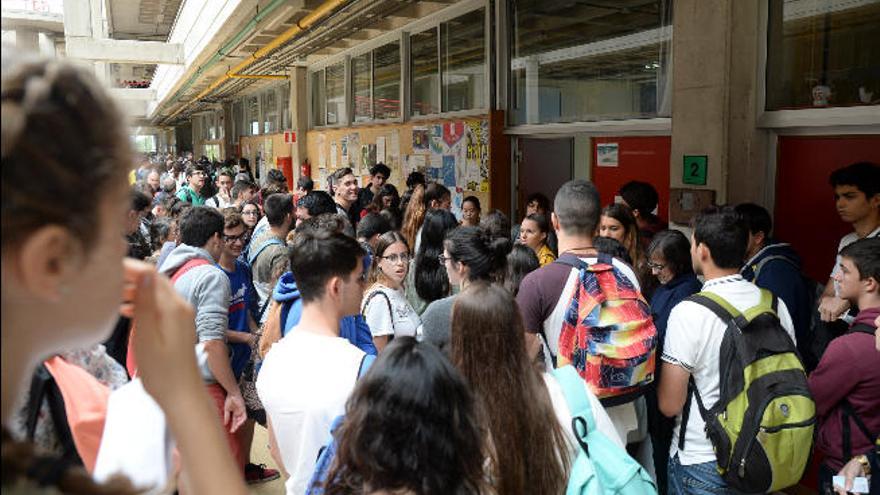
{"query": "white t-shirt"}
{"type": "Point", "coordinates": [303, 384]}
{"type": "Point", "coordinates": [693, 341]}
{"type": "Point", "coordinates": [401, 320]}
{"type": "Point", "coordinates": [844, 242]}
{"type": "Point", "coordinates": [563, 414]}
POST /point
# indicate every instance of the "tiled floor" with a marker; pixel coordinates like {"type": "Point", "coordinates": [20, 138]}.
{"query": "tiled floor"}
{"type": "Point", "coordinates": [260, 455]}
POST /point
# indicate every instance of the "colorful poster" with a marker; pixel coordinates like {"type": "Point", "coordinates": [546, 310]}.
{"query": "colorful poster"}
{"type": "Point", "coordinates": [354, 153]}
{"type": "Point", "coordinates": [420, 142]}
{"type": "Point", "coordinates": [393, 153]}
{"type": "Point", "coordinates": [452, 133]}
{"type": "Point", "coordinates": [333, 151]}
{"type": "Point", "coordinates": [449, 166]}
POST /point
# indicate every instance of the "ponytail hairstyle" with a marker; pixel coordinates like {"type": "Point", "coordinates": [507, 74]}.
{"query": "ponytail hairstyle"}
{"type": "Point", "coordinates": [57, 116]}
{"type": "Point", "coordinates": [431, 280]}
{"type": "Point", "coordinates": [485, 256]}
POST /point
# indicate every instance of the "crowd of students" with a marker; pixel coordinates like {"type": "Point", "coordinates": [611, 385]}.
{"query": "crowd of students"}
{"type": "Point", "coordinates": [389, 347]}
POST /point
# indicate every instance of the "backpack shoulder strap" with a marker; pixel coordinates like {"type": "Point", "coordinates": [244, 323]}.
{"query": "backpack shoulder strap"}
{"type": "Point", "coordinates": [387, 301]}
{"type": "Point", "coordinates": [716, 304]}
{"type": "Point", "coordinates": [849, 412]}
{"type": "Point", "coordinates": [861, 328]}
{"type": "Point", "coordinates": [189, 265]}
{"type": "Point", "coordinates": [572, 261]}
{"type": "Point", "coordinates": [575, 395]}
{"type": "Point", "coordinates": [768, 303]}
{"type": "Point", "coordinates": [366, 362]}
{"type": "Point", "coordinates": [252, 254]}
{"type": "Point", "coordinates": [761, 264]}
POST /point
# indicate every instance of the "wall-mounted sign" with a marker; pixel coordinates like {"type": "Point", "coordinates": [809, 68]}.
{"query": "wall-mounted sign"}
{"type": "Point", "coordinates": [695, 169]}
{"type": "Point", "coordinates": [289, 137]}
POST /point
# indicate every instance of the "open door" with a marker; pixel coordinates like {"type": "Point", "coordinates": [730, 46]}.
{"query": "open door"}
{"type": "Point", "coordinates": [544, 166]}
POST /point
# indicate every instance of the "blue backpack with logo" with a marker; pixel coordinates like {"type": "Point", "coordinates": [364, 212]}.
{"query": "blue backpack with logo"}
{"type": "Point", "coordinates": [601, 466]}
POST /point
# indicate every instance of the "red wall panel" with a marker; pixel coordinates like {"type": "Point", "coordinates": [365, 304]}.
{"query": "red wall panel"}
{"type": "Point", "coordinates": [805, 214]}
{"type": "Point", "coordinates": [644, 158]}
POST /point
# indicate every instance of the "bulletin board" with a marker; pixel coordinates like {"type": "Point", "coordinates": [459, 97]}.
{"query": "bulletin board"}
{"type": "Point", "coordinates": [455, 153]}
{"type": "Point", "coordinates": [268, 147]}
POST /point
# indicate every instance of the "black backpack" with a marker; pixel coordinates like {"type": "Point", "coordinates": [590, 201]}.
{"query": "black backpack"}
{"type": "Point", "coordinates": [43, 386]}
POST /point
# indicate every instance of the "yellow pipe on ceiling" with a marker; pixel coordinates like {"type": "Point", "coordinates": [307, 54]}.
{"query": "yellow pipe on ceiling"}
{"type": "Point", "coordinates": [306, 22]}
{"type": "Point", "coordinates": [255, 76]}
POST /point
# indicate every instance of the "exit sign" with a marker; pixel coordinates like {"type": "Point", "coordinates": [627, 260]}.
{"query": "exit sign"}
{"type": "Point", "coordinates": [289, 137]}
{"type": "Point", "coordinates": [695, 169]}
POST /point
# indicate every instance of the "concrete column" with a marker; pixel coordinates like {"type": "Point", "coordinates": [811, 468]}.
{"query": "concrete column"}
{"type": "Point", "coordinates": [299, 118]}
{"type": "Point", "coordinates": [715, 46]}
{"type": "Point", "coordinates": [27, 39]}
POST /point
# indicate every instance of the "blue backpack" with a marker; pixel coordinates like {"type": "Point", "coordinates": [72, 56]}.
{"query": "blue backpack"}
{"type": "Point", "coordinates": [613, 471]}
{"type": "Point", "coordinates": [328, 452]}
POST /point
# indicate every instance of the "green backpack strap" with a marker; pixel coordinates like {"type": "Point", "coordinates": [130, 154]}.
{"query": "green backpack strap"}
{"type": "Point", "coordinates": [576, 397]}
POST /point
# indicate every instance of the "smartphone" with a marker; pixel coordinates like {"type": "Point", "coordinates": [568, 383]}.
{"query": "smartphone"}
{"type": "Point", "coordinates": [860, 484]}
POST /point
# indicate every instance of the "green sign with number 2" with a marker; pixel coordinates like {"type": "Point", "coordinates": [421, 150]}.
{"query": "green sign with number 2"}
{"type": "Point", "coordinates": [695, 169]}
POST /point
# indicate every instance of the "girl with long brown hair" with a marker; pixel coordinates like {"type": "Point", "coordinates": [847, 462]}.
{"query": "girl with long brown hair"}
{"type": "Point", "coordinates": [414, 215]}
{"type": "Point", "coordinates": [384, 306]}
{"type": "Point", "coordinates": [524, 411]}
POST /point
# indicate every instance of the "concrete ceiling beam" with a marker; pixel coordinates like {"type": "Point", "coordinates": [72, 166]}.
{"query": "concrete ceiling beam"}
{"type": "Point", "coordinates": [125, 51]}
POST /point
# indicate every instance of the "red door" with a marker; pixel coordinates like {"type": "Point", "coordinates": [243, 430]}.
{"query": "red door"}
{"type": "Point", "coordinates": [805, 214]}
{"type": "Point", "coordinates": [644, 158]}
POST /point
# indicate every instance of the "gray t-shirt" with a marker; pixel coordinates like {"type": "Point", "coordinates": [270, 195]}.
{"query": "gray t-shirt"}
{"type": "Point", "coordinates": [437, 322]}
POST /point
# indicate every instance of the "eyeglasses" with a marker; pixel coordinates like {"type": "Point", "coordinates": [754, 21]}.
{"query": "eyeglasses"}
{"type": "Point", "coordinates": [443, 259]}
{"type": "Point", "coordinates": [251, 212]}
{"type": "Point", "coordinates": [233, 238]}
{"type": "Point", "coordinates": [656, 266]}
{"type": "Point", "coordinates": [394, 258]}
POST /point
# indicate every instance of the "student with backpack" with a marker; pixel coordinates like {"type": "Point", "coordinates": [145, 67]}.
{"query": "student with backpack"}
{"type": "Point", "coordinates": [268, 251]}
{"type": "Point", "coordinates": [775, 266]}
{"type": "Point", "coordinates": [534, 447]}
{"type": "Point", "coordinates": [411, 388]}
{"type": "Point", "coordinates": [385, 307]}
{"type": "Point", "coordinates": [618, 369]}
{"type": "Point", "coordinates": [717, 343]}
{"type": "Point", "coordinates": [308, 375]}
{"type": "Point", "coordinates": [286, 311]}
{"type": "Point", "coordinates": [846, 384]}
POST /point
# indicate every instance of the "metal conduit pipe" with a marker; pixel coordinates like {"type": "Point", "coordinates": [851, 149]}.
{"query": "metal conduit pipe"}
{"type": "Point", "coordinates": [322, 10]}
{"type": "Point", "coordinates": [229, 45]}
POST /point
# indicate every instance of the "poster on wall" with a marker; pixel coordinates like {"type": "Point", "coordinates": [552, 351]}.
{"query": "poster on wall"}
{"type": "Point", "coordinates": [437, 139]}
{"type": "Point", "coordinates": [393, 151]}
{"type": "Point", "coordinates": [322, 152]}
{"type": "Point", "coordinates": [343, 149]}
{"type": "Point", "coordinates": [449, 171]}
{"type": "Point", "coordinates": [333, 150]}
{"type": "Point", "coordinates": [420, 140]}
{"type": "Point", "coordinates": [354, 153]}
{"type": "Point", "coordinates": [607, 154]}
{"type": "Point", "coordinates": [457, 200]}
{"type": "Point", "coordinates": [414, 163]}
{"type": "Point", "coordinates": [380, 150]}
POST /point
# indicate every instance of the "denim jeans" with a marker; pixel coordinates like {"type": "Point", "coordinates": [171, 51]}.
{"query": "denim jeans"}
{"type": "Point", "coordinates": [696, 479]}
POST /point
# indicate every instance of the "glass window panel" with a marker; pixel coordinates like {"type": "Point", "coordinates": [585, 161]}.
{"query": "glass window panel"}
{"type": "Point", "coordinates": [574, 61]}
{"type": "Point", "coordinates": [319, 99]}
{"type": "Point", "coordinates": [463, 55]}
{"type": "Point", "coordinates": [270, 111]}
{"type": "Point", "coordinates": [335, 87]}
{"type": "Point", "coordinates": [360, 86]}
{"type": "Point", "coordinates": [425, 72]}
{"type": "Point", "coordinates": [253, 115]}
{"type": "Point", "coordinates": [823, 53]}
{"type": "Point", "coordinates": [386, 81]}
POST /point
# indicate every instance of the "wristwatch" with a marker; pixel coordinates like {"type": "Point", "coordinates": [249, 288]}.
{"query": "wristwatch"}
{"type": "Point", "coordinates": [866, 466]}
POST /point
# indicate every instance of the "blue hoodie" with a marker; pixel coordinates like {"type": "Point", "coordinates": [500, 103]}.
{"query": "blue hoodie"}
{"type": "Point", "coordinates": [783, 277]}
{"type": "Point", "coordinates": [353, 328]}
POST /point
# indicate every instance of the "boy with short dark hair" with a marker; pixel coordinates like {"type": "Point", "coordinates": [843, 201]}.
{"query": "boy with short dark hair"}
{"type": "Point", "coordinates": [267, 254]}
{"type": "Point", "coordinates": [196, 175]}
{"type": "Point", "coordinates": [846, 384]}
{"type": "Point", "coordinates": [643, 199]}
{"type": "Point", "coordinates": [308, 375]}
{"type": "Point", "coordinates": [379, 175]}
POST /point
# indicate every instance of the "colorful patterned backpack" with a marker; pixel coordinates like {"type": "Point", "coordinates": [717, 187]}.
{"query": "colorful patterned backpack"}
{"type": "Point", "coordinates": [607, 332]}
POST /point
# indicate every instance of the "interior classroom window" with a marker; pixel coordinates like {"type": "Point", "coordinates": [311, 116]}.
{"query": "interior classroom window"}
{"type": "Point", "coordinates": [319, 99]}
{"type": "Point", "coordinates": [270, 111]}
{"type": "Point", "coordinates": [463, 62]}
{"type": "Point", "coordinates": [335, 89]}
{"type": "Point", "coordinates": [386, 81]}
{"type": "Point", "coordinates": [252, 104]}
{"type": "Point", "coordinates": [361, 76]}
{"type": "Point", "coordinates": [425, 69]}
{"type": "Point", "coordinates": [823, 53]}
{"type": "Point", "coordinates": [145, 143]}
{"type": "Point", "coordinates": [573, 61]}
